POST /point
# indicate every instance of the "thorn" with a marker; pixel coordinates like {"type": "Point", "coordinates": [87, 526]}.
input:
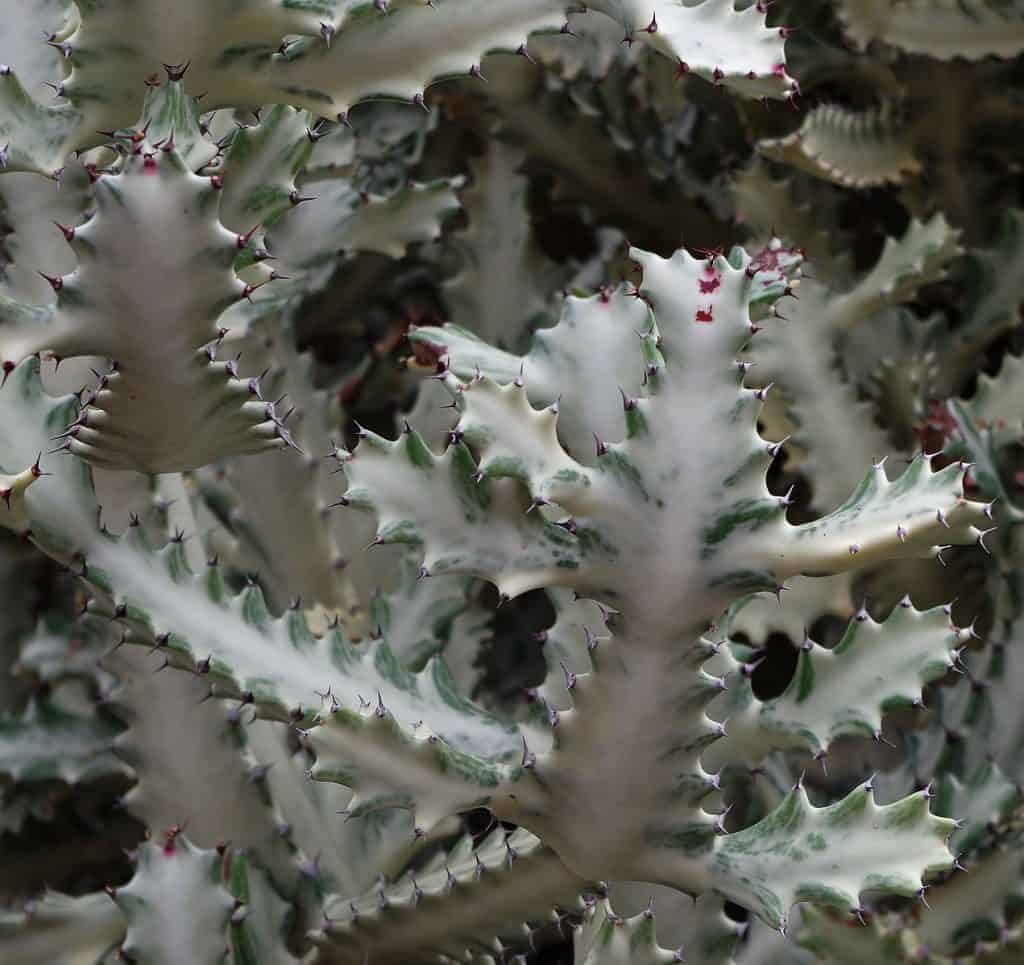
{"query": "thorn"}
{"type": "Point", "coordinates": [570, 677]}
{"type": "Point", "coordinates": [877, 736]}
{"type": "Point", "coordinates": [601, 447]}
{"type": "Point", "coordinates": [719, 824]}
{"type": "Point", "coordinates": [176, 71]}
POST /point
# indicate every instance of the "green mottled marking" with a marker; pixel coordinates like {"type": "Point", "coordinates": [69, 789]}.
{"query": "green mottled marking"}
{"type": "Point", "coordinates": [254, 608]}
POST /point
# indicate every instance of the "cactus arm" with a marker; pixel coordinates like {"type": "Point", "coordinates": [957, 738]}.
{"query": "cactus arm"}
{"type": "Point", "coordinates": [155, 267]}
{"type": "Point", "coordinates": [50, 742]}
{"type": "Point", "coordinates": [504, 282]}
{"type": "Point", "coordinates": [378, 705]}
{"type": "Point", "coordinates": [555, 368]}
{"type": "Point", "coordinates": [962, 902]}
{"type": "Point", "coordinates": [338, 219]}
{"type": "Point", "coordinates": [971, 30]}
{"type": "Point", "coordinates": [461, 900]}
{"type": "Point", "coordinates": [586, 161]}
{"type": "Point", "coordinates": [31, 205]}
{"type": "Point", "coordinates": [466, 352]}
{"type": "Point", "coordinates": [978, 803]}
{"type": "Point", "coordinates": [36, 138]}
{"type": "Point", "coordinates": [831, 855]}
{"type": "Point", "coordinates": [392, 762]}
{"type": "Point", "coordinates": [57, 651]}
{"type": "Point", "coordinates": [832, 461]}
{"type": "Point", "coordinates": [278, 502]}
{"type": "Point", "coordinates": [170, 217]}
{"type": "Point", "coordinates": [856, 149]}
{"type": "Point", "coordinates": [803, 602]}
{"type": "Point", "coordinates": [416, 616]}
{"type": "Point", "coordinates": [962, 912]}
{"type": "Point", "coordinates": [193, 757]}
{"type": "Point", "coordinates": [998, 402]}
{"type": "Point", "coordinates": [327, 59]}
{"type": "Point", "coordinates": [1000, 666]}
{"type": "Point", "coordinates": [763, 945]}
{"type": "Point", "coordinates": [400, 51]}
{"type": "Point", "coordinates": [842, 692]}
{"type": "Point", "coordinates": [259, 927]}
{"type": "Point", "coordinates": [177, 910]}
{"type": "Point", "coordinates": [996, 278]}
{"type": "Point", "coordinates": [992, 302]}
{"type": "Point", "coordinates": [921, 257]}
{"type": "Point", "coordinates": [713, 39]}
{"type": "Point", "coordinates": [841, 940]}
{"type": "Point", "coordinates": [986, 424]}
{"type": "Point", "coordinates": [797, 350]}
{"type": "Point", "coordinates": [579, 622]}
{"type": "Point", "coordinates": [19, 578]}
{"type": "Point", "coordinates": [480, 528]}
{"type": "Point", "coordinates": [920, 513]}
{"type": "Point", "coordinates": [23, 26]}
{"type": "Point", "coordinates": [605, 938]}
{"type": "Point", "coordinates": [980, 441]}
{"type": "Point", "coordinates": [59, 929]}
{"type": "Point", "coordinates": [260, 168]}
{"type": "Point", "coordinates": [335, 853]}
{"type": "Point", "coordinates": [189, 758]}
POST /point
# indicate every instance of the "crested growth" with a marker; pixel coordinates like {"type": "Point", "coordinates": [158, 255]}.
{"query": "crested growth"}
{"type": "Point", "coordinates": [400, 565]}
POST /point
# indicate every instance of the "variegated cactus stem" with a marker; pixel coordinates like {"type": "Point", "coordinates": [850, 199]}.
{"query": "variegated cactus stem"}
{"type": "Point", "coordinates": [202, 236]}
